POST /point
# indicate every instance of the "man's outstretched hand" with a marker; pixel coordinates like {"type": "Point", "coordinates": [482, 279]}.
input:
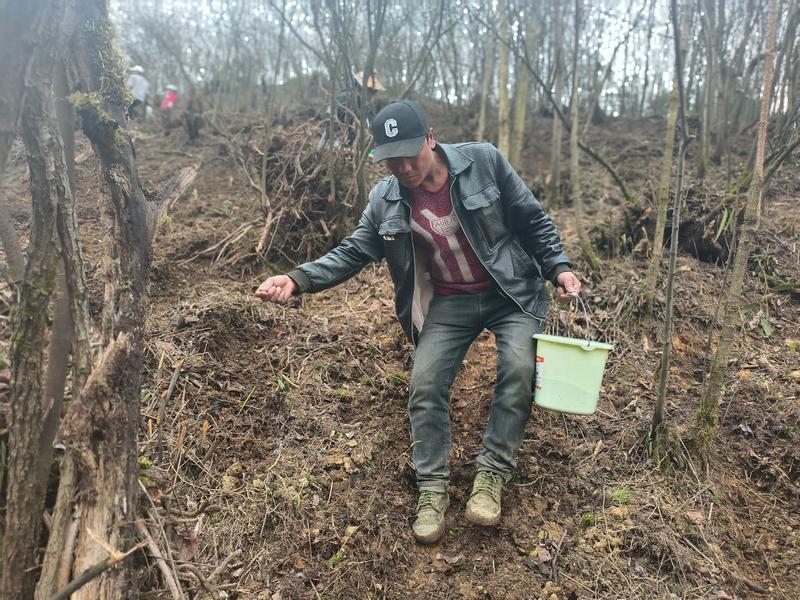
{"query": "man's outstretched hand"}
{"type": "Point", "coordinates": [278, 289]}
{"type": "Point", "coordinates": [568, 287]}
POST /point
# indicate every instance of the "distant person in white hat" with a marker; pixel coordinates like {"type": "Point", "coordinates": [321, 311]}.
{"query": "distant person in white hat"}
{"type": "Point", "coordinates": [140, 89]}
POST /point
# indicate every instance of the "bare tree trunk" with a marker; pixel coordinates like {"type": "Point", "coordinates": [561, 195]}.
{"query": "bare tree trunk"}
{"type": "Point", "coordinates": [789, 85]}
{"type": "Point", "coordinates": [331, 141]}
{"type": "Point", "coordinates": [28, 451]}
{"type": "Point", "coordinates": [504, 105]}
{"type": "Point", "coordinates": [453, 64]}
{"type": "Point", "coordinates": [574, 171]}
{"type": "Point", "coordinates": [57, 561]}
{"type": "Point", "coordinates": [623, 94]}
{"type": "Point", "coordinates": [555, 150]}
{"type": "Point", "coordinates": [646, 76]}
{"type": "Point", "coordinates": [706, 419]}
{"type": "Point", "coordinates": [523, 87]}
{"type": "Point", "coordinates": [657, 431]}
{"type": "Point", "coordinates": [489, 51]}
{"type": "Point", "coordinates": [692, 101]}
{"type": "Point", "coordinates": [62, 330]}
{"type": "Point", "coordinates": [721, 145]}
{"type": "Point", "coordinates": [662, 197]}
{"type": "Point", "coordinates": [725, 78]}
{"type": "Point", "coordinates": [430, 39]}
{"type": "Point", "coordinates": [708, 79]}
{"type": "Point", "coordinates": [376, 17]}
{"type": "Point", "coordinates": [269, 111]}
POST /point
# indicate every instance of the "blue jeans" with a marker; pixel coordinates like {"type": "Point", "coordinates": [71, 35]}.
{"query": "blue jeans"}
{"type": "Point", "coordinates": [452, 324]}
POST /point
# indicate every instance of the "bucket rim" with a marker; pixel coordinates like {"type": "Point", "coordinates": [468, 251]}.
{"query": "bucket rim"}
{"type": "Point", "coordinates": [584, 344]}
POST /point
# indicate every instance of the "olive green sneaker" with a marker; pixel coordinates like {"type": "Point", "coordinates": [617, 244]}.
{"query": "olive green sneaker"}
{"type": "Point", "coordinates": [483, 507]}
{"type": "Point", "coordinates": [429, 524]}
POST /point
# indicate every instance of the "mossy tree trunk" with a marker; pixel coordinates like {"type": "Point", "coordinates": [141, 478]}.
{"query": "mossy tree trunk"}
{"type": "Point", "coordinates": [706, 419]}
{"type": "Point", "coordinates": [70, 332]}
{"type": "Point", "coordinates": [100, 428]}
{"type": "Point", "coordinates": [98, 488]}
{"type": "Point", "coordinates": [30, 451]}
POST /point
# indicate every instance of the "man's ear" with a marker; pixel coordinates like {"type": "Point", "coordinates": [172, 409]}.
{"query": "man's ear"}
{"type": "Point", "coordinates": [432, 138]}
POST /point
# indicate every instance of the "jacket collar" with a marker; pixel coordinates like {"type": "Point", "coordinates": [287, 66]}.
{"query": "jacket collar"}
{"type": "Point", "coordinates": [457, 162]}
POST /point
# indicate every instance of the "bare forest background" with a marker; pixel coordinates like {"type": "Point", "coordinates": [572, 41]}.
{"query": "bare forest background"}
{"type": "Point", "coordinates": [164, 435]}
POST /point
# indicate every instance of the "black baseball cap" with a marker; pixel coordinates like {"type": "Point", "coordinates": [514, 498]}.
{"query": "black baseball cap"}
{"type": "Point", "coordinates": [399, 129]}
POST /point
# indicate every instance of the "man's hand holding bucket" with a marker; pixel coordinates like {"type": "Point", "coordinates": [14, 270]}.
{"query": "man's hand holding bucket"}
{"type": "Point", "coordinates": [568, 286]}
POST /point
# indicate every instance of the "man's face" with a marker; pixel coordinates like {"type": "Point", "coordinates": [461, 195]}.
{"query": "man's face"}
{"type": "Point", "coordinates": [412, 171]}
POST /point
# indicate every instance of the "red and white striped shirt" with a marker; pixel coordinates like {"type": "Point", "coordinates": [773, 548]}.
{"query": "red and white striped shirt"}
{"type": "Point", "coordinates": [437, 233]}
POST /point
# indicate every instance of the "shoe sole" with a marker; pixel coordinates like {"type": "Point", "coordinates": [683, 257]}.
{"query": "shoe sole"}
{"type": "Point", "coordinates": [432, 537]}
{"type": "Point", "coordinates": [479, 520]}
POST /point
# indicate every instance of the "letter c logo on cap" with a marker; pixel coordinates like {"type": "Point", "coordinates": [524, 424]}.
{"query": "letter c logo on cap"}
{"type": "Point", "coordinates": [390, 127]}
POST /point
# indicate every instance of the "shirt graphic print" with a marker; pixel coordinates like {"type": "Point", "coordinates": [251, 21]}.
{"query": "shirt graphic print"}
{"type": "Point", "coordinates": [437, 234]}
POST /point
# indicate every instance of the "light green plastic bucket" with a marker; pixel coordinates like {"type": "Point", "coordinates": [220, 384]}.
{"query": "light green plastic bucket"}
{"type": "Point", "coordinates": [569, 372]}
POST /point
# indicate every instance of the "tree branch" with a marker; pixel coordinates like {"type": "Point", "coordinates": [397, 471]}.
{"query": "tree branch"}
{"type": "Point", "coordinates": [94, 571]}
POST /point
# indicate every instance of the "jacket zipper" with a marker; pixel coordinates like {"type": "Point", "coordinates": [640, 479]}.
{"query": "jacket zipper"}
{"type": "Point", "coordinates": [502, 289]}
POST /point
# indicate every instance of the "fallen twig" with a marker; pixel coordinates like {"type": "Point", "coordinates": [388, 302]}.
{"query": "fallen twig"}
{"type": "Point", "coordinates": [155, 516]}
{"type": "Point", "coordinates": [223, 564]}
{"type": "Point", "coordinates": [162, 408]}
{"type": "Point", "coordinates": [242, 229]}
{"type": "Point", "coordinates": [94, 571]}
{"type": "Point", "coordinates": [170, 578]}
{"type": "Point", "coordinates": [556, 553]}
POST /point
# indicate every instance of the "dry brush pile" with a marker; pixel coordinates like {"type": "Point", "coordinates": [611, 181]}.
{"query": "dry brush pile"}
{"type": "Point", "coordinates": [304, 189]}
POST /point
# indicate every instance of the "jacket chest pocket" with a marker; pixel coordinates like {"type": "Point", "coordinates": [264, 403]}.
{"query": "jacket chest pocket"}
{"type": "Point", "coordinates": [392, 228]}
{"type": "Point", "coordinates": [486, 212]}
{"type": "Point", "coordinates": [396, 234]}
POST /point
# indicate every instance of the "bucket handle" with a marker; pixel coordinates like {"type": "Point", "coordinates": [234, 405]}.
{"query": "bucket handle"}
{"type": "Point", "coordinates": [580, 300]}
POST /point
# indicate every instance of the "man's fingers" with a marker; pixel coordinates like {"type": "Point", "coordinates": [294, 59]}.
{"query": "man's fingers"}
{"type": "Point", "coordinates": [276, 289]}
{"type": "Point", "coordinates": [269, 291]}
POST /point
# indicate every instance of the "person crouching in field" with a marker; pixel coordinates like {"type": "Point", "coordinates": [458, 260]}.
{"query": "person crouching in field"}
{"type": "Point", "coordinates": [468, 248]}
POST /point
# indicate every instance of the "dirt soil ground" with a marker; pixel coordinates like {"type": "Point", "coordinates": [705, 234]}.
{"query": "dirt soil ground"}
{"type": "Point", "coordinates": [279, 461]}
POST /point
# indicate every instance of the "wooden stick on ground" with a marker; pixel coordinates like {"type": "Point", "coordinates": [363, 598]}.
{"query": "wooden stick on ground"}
{"type": "Point", "coordinates": [170, 578]}
{"type": "Point", "coordinates": [94, 571]}
{"type": "Point", "coordinates": [162, 407]}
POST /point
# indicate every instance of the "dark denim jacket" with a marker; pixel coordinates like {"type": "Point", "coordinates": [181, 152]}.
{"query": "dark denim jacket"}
{"type": "Point", "coordinates": [506, 226]}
